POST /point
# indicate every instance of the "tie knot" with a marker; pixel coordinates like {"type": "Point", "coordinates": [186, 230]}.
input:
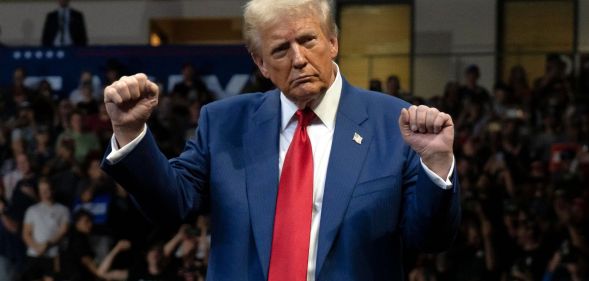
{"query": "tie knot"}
{"type": "Point", "coordinates": [305, 116]}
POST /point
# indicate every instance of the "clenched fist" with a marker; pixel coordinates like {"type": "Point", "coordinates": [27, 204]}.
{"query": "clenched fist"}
{"type": "Point", "coordinates": [129, 103]}
{"type": "Point", "coordinates": [431, 134]}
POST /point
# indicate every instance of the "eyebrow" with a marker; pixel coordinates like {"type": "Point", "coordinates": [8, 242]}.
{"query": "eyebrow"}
{"type": "Point", "coordinates": [279, 47]}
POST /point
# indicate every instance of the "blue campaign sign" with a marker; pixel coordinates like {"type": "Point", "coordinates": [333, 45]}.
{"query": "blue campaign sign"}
{"type": "Point", "coordinates": [224, 68]}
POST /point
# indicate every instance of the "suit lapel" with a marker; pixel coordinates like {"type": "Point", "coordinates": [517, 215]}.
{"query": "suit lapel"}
{"type": "Point", "coordinates": [345, 163]}
{"type": "Point", "coordinates": [261, 151]}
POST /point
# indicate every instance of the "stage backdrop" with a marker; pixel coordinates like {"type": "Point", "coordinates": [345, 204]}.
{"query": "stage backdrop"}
{"type": "Point", "coordinates": [224, 68]}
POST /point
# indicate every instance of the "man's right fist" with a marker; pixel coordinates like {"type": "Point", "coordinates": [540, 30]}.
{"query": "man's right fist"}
{"type": "Point", "coordinates": [129, 103]}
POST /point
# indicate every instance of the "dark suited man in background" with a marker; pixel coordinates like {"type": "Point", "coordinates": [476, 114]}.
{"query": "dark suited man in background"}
{"type": "Point", "coordinates": [64, 27]}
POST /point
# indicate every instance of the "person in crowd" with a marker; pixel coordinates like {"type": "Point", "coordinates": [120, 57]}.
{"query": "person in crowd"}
{"type": "Point", "coordinates": [61, 122]}
{"type": "Point", "coordinates": [154, 265]}
{"type": "Point", "coordinates": [257, 83]}
{"type": "Point", "coordinates": [12, 213]}
{"type": "Point", "coordinates": [84, 142]}
{"type": "Point", "coordinates": [471, 91]}
{"type": "Point", "coordinates": [86, 78]}
{"type": "Point", "coordinates": [64, 172]}
{"type": "Point", "coordinates": [78, 257]}
{"type": "Point", "coordinates": [519, 84]}
{"type": "Point", "coordinates": [189, 249]}
{"type": "Point", "coordinates": [552, 90]}
{"type": "Point", "coordinates": [87, 105]}
{"type": "Point", "coordinates": [393, 88]}
{"type": "Point", "coordinates": [375, 85]}
{"type": "Point", "coordinates": [192, 87]}
{"type": "Point", "coordinates": [99, 125]}
{"type": "Point", "coordinates": [451, 101]}
{"type": "Point", "coordinates": [95, 191]}
{"type": "Point", "coordinates": [64, 27]}
{"type": "Point", "coordinates": [22, 171]}
{"type": "Point", "coordinates": [45, 225]}
{"type": "Point", "coordinates": [43, 104]}
{"type": "Point", "coordinates": [44, 151]}
{"type": "Point", "coordinates": [113, 70]}
{"type": "Point", "coordinates": [18, 93]}
{"type": "Point", "coordinates": [502, 101]}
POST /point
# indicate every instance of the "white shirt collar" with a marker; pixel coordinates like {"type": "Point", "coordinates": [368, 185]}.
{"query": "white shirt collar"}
{"type": "Point", "coordinates": [325, 110]}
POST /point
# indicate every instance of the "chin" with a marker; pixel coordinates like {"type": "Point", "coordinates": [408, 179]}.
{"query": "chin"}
{"type": "Point", "coordinates": [304, 97]}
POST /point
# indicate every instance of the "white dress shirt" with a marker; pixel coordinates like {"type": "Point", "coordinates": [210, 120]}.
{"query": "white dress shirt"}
{"type": "Point", "coordinates": [63, 18]}
{"type": "Point", "coordinates": [320, 133]}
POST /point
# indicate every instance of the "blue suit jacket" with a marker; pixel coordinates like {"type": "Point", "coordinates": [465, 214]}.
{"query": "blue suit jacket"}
{"type": "Point", "coordinates": [377, 196]}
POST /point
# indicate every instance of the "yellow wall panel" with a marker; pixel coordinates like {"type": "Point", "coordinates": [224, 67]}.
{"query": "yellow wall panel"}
{"type": "Point", "coordinates": [355, 69]}
{"type": "Point", "coordinates": [375, 29]}
{"type": "Point", "coordinates": [545, 26]}
{"type": "Point", "coordinates": [375, 42]}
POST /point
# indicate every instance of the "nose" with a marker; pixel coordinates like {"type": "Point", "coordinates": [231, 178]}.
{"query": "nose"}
{"type": "Point", "coordinates": [299, 59]}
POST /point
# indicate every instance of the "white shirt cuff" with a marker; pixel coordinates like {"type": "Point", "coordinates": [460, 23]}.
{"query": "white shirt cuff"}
{"type": "Point", "coordinates": [117, 154]}
{"type": "Point", "coordinates": [444, 184]}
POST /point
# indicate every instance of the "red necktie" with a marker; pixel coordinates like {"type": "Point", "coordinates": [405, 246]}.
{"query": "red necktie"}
{"type": "Point", "coordinates": [292, 221]}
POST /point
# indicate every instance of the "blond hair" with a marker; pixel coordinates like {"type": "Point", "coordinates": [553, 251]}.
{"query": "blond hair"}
{"type": "Point", "coordinates": [260, 13]}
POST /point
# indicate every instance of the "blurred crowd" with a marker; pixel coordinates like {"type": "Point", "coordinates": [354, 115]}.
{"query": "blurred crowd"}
{"type": "Point", "coordinates": [61, 217]}
{"type": "Point", "coordinates": [521, 154]}
{"type": "Point", "coordinates": [523, 162]}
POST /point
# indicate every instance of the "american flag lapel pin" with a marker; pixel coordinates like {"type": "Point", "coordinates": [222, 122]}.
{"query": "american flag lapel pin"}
{"type": "Point", "coordinates": [357, 138]}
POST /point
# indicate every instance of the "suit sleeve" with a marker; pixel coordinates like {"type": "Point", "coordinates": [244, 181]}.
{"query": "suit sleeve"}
{"type": "Point", "coordinates": [166, 191]}
{"type": "Point", "coordinates": [431, 215]}
{"type": "Point", "coordinates": [82, 30]}
{"type": "Point", "coordinates": [46, 39]}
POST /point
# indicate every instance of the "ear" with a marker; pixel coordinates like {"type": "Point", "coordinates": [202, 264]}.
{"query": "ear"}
{"type": "Point", "coordinates": [334, 47]}
{"type": "Point", "coordinates": [260, 63]}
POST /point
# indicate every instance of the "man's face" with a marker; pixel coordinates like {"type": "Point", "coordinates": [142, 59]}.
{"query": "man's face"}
{"type": "Point", "coordinates": [297, 55]}
{"type": "Point", "coordinates": [63, 3]}
{"type": "Point", "coordinates": [45, 192]}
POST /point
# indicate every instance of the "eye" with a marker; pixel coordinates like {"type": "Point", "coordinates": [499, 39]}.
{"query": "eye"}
{"type": "Point", "coordinates": [307, 40]}
{"type": "Point", "coordinates": [280, 50]}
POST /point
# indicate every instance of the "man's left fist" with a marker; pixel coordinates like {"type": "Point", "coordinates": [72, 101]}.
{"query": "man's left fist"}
{"type": "Point", "coordinates": [431, 134]}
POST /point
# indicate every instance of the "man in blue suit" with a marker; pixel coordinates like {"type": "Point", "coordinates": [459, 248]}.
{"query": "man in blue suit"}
{"type": "Point", "coordinates": [316, 180]}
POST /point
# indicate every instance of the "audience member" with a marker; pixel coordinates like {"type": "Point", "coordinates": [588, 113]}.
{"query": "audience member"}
{"type": "Point", "coordinates": [43, 151]}
{"type": "Point", "coordinates": [84, 142]}
{"type": "Point", "coordinates": [393, 88]}
{"type": "Point", "coordinates": [520, 86]}
{"type": "Point", "coordinates": [17, 94]}
{"type": "Point", "coordinates": [471, 92]}
{"type": "Point", "coordinates": [45, 225]}
{"type": "Point", "coordinates": [86, 80]}
{"type": "Point", "coordinates": [375, 85]}
{"type": "Point", "coordinates": [21, 171]}
{"type": "Point", "coordinates": [192, 87]}
{"type": "Point", "coordinates": [78, 258]}
{"type": "Point", "coordinates": [12, 213]}
{"type": "Point", "coordinates": [87, 105]}
{"type": "Point", "coordinates": [95, 191]}
{"type": "Point", "coordinates": [64, 172]}
{"type": "Point", "coordinates": [43, 104]}
{"type": "Point", "coordinates": [257, 83]}
{"type": "Point", "coordinates": [64, 27]}
{"type": "Point", "coordinates": [154, 265]}
{"type": "Point", "coordinates": [552, 91]}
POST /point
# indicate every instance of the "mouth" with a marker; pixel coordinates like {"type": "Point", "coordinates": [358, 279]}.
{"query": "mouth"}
{"type": "Point", "coordinates": [301, 80]}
